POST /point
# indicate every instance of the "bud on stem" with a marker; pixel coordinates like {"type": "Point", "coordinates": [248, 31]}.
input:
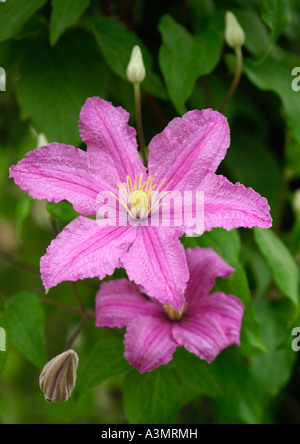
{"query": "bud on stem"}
{"type": "Point", "coordinates": [58, 377]}
{"type": "Point", "coordinates": [136, 71]}
{"type": "Point", "coordinates": [234, 33]}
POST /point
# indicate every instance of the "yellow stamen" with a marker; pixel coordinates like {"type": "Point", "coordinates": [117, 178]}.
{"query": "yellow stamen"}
{"type": "Point", "coordinates": [138, 198]}
{"type": "Point", "coordinates": [174, 315]}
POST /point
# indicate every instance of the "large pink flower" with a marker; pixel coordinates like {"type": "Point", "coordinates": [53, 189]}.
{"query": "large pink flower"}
{"type": "Point", "coordinates": [207, 325]}
{"type": "Point", "coordinates": [184, 157]}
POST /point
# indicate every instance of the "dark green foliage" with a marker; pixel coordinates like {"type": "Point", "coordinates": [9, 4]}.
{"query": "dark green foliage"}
{"type": "Point", "coordinates": [56, 54]}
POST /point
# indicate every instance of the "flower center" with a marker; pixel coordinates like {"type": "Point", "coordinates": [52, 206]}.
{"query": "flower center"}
{"type": "Point", "coordinates": [138, 198]}
{"type": "Point", "coordinates": [174, 315]}
{"type": "Point", "coordinates": [138, 204]}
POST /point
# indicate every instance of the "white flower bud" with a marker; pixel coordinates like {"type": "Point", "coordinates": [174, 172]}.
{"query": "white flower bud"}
{"type": "Point", "coordinates": [58, 377]}
{"type": "Point", "coordinates": [234, 33]}
{"type": "Point", "coordinates": [42, 141]}
{"type": "Point", "coordinates": [296, 202]}
{"type": "Point", "coordinates": [136, 71]}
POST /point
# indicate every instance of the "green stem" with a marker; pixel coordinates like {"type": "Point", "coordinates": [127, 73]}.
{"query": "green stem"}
{"type": "Point", "coordinates": [80, 304]}
{"type": "Point", "coordinates": [139, 122]}
{"type": "Point", "coordinates": [76, 333]}
{"type": "Point", "coordinates": [53, 225]}
{"type": "Point", "coordinates": [236, 79]}
{"type": "Point", "coordinates": [58, 304]}
{"type": "Point", "coordinates": [17, 263]}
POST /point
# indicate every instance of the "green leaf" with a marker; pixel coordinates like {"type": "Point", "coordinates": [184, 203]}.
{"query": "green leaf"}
{"type": "Point", "coordinates": [151, 398]}
{"type": "Point", "coordinates": [65, 13]}
{"type": "Point", "coordinates": [226, 244]}
{"type": "Point", "coordinates": [277, 15]}
{"type": "Point", "coordinates": [62, 210]}
{"type": "Point", "coordinates": [257, 42]}
{"type": "Point", "coordinates": [195, 374]}
{"type": "Point", "coordinates": [251, 163]}
{"type": "Point", "coordinates": [24, 322]}
{"type": "Point", "coordinates": [22, 211]}
{"type": "Point", "coordinates": [257, 268]}
{"type": "Point", "coordinates": [14, 14]}
{"type": "Point", "coordinates": [271, 76]}
{"type": "Point", "coordinates": [116, 44]}
{"type": "Point", "coordinates": [242, 397]}
{"type": "Point", "coordinates": [184, 58]}
{"type": "Point", "coordinates": [105, 360]}
{"type": "Point", "coordinates": [274, 368]}
{"type": "Point", "coordinates": [251, 335]}
{"type": "Point", "coordinates": [274, 377]}
{"type": "Point", "coordinates": [281, 263]}
{"type": "Point", "coordinates": [53, 97]}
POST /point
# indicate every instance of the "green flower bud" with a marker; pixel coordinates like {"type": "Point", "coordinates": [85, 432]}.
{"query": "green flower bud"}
{"type": "Point", "coordinates": [58, 377]}
{"type": "Point", "coordinates": [136, 71]}
{"type": "Point", "coordinates": [234, 33]}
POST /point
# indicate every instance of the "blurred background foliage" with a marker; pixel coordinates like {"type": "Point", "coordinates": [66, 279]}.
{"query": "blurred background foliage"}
{"type": "Point", "coordinates": [56, 54]}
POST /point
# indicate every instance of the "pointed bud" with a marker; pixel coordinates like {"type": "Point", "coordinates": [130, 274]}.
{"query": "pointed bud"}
{"type": "Point", "coordinates": [136, 71]}
{"type": "Point", "coordinates": [58, 377]}
{"type": "Point", "coordinates": [42, 141]}
{"type": "Point", "coordinates": [234, 33]}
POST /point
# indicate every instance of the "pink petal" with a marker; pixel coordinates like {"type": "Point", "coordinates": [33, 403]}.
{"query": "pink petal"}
{"type": "Point", "coordinates": [231, 206]}
{"type": "Point", "coordinates": [213, 325]}
{"type": "Point", "coordinates": [188, 149]}
{"type": "Point", "coordinates": [56, 172]}
{"type": "Point", "coordinates": [119, 302]}
{"type": "Point", "coordinates": [105, 130]}
{"type": "Point", "coordinates": [205, 266]}
{"type": "Point", "coordinates": [148, 343]}
{"type": "Point", "coordinates": [157, 262]}
{"type": "Point", "coordinates": [84, 250]}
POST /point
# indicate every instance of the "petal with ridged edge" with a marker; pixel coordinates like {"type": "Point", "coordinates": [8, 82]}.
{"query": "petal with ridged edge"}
{"type": "Point", "coordinates": [105, 130]}
{"type": "Point", "coordinates": [149, 343]}
{"type": "Point", "coordinates": [157, 262]}
{"type": "Point", "coordinates": [119, 302]}
{"type": "Point", "coordinates": [188, 149]}
{"type": "Point", "coordinates": [56, 172]}
{"type": "Point", "coordinates": [85, 250]}
{"type": "Point", "coordinates": [211, 326]}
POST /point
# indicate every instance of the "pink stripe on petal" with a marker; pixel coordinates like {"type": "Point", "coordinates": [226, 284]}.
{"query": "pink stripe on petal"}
{"type": "Point", "coordinates": [119, 302]}
{"type": "Point", "coordinates": [108, 136]}
{"type": "Point", "coordinates": [213, 325]}
{"type": "Point", "coordinates": [205, 266]}
{"type": "Point", "coordinates": [157, 262]}
{"type": "Point", "coordinates": [85, 250]}
{"type": "Point", "coordinates": [56, 172]}
{"type": "Point", "coordinates": [231, 206]}
{"type": "Point", "coordinates": [188, 149]}
{"type": "Point", "coordinates": [148, 343]}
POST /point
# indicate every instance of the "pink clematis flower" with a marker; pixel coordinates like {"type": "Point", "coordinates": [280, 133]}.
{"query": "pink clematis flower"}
{"type": "Point", "coordinates": [184, 156]}
{"type": "Point", "coordinates": [206, 326]}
